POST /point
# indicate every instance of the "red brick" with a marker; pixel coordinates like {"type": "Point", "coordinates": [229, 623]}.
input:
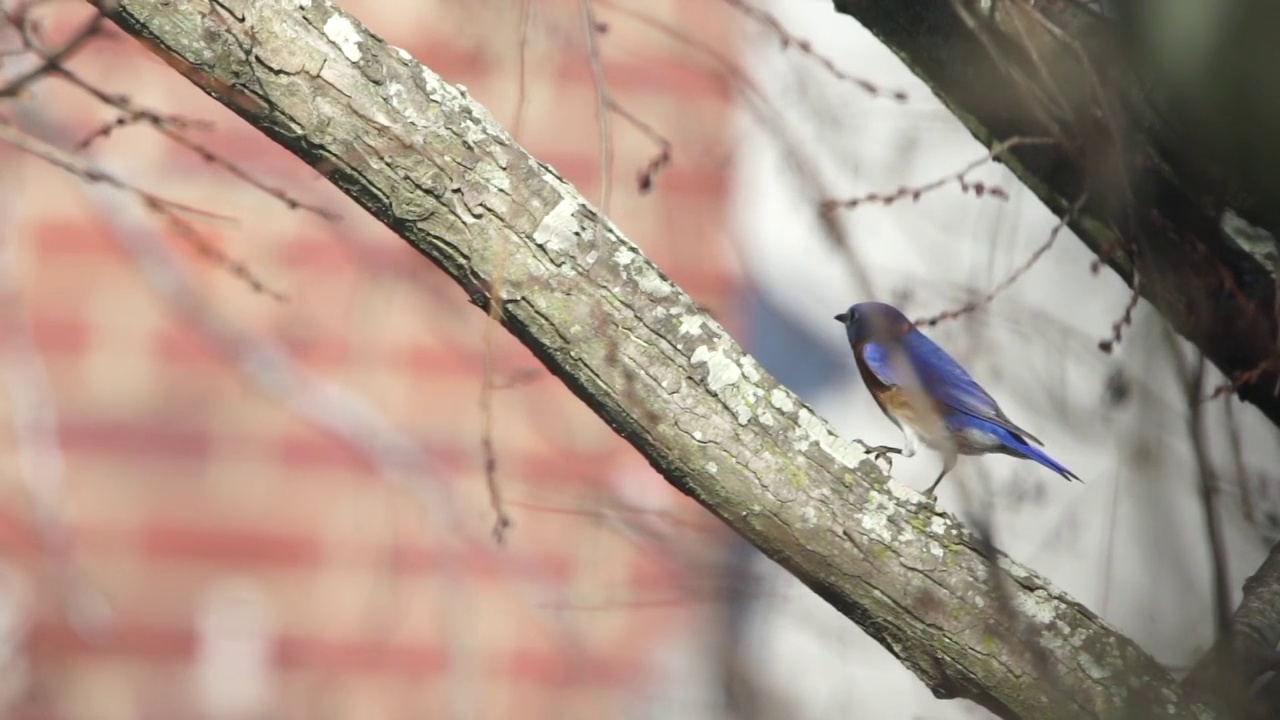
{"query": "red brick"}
{"type": "Point", "coordinates": [656, 74]}
{"type": "Point", "coordinates": [179, 344]}
{"type": "Point", "coordinates": [176, 644]}
{"type": "Point", "coordinates": [583, 170]}
{"type": "Point", "coordinates": [315, 255]}
{"type": "Point", "coordinates": [415, 558]}
{"type": "Point", "coordinates": [299, 452]}
{"type": "Point", "coordinates": [437, 360]}
{"type": "Point", "coordinates": [54, 238]}
{"type": "Point", "coordinates": [60, 334]}
{"type": "Point", "coordinates": [567, 668]}
{"type": "Point", "coordinates": [151, 642]}
{"type": "Point", "coordinates": [183, 539]}
{"type": "Point", "coordinates": [206, 482]}
{"type": "Point", "coordinates": [416, 660]}
{"type": "Point", "coordinates": [134, 439]}
{"type": "Point", "coordinates": [17, 534]}
{"type": "Point", "coordinates": [451, 61]}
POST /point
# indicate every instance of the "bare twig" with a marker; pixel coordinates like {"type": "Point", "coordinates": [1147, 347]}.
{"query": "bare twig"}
{"type": "Point", "coordinates": [1106, 345]}
{"type": "Point", "coordinates": [1193, 381]}
{"type": "Point", "coordinates": [985, 300]}
{"type": "Point", "coordinates": [646, 174]}
{"type": "Point", "coordinates": [1248, 377]}
{"type": "Point", "coordinates": [168, 209]}
{"type": "Point", "coordinates": [590, 29]}
{"type": "Point", "coordinates": [915, 192]}
{"type": "Point", "coordinates": [1237, 461]}
{"type": "Point", "coordinates": [76, 166]}
{"type": "Point", "coordinates": [51, 59]}
{"type": "Point", "coordinates": [1040, 103]}
{"type": "Point", "coordinates": [607, 101]}
{"type": "Point", "coordinates": [1110, 115]}
{"type": "Point", "coordinates": [522, 62]}
{"type": "Point", "coordinates": [790, 40]}
{"type": "Point", "coordinates": [171, 126]}
{"type": "Point", "coordinates": [811, 182]}
{"type": "Point", "coordinates": [502, 521]}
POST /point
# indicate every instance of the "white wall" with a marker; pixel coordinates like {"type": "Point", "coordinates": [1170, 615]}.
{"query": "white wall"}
{"type": "Point", "coordinates": [1129, 543]}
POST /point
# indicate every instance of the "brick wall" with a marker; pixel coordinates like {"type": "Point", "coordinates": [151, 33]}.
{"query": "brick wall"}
{"type": "Point", "coordinates": [229, 555]}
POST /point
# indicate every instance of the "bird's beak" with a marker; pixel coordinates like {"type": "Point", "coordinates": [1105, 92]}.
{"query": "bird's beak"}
{"type": "Point", "coordinates": [842, 318]}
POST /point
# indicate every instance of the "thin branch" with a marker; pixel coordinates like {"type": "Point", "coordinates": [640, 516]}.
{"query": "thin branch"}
{"type": "Point", "coordinates": [1238, 464]}
{"type": "Point", "coordinates": [171, 127]}
{"type": "Point", "coordinates": [646, 174]}
{"type": "Point", "coordinates": [1246, 378]}
{"type": "Point", "coordinates": [915, 192]}
{"type": "Point", "coordinates": [811, 182]}
{"type": "Point", "coordinates": [790, 40]}
{"type": "Point", "coordinates": [502, 520]}
{"type": "Point", "coordinates": [170, 210]}
{"type": "Point", "coordinates": [1021, 270]}
{"type": "Point", "coordinates": [607, 102]}
{"type": "Point", "coordinates": [1106, 345]}
{"type": "Point", "coordinates": [51, 59]}
{"type": "Point", "coordinates": [1193, 381]}
{"type": "Point", "coordinates": [590, 29]}
{"type": "Point", "coordinates": [76, 166]}
{"type": "Point", "coordinates": [1038, 101]}
{"type": "Point", "coordinates": [522, 64]}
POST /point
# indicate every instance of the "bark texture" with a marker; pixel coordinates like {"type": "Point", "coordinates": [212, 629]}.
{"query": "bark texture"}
{"type": "Point", "coordinates": [432, 165]}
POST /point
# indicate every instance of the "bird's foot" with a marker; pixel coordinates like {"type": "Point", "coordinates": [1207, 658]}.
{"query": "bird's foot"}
{"type": "Point", "coordinates": [880, 452]}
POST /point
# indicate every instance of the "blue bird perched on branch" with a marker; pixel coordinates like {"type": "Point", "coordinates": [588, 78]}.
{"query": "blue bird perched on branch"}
{"type": "Point", "coordinates": [926, 393]}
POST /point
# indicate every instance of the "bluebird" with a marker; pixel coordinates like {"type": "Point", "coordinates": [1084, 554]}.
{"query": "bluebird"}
{"type": "Point", "coordinates": [926, 393]}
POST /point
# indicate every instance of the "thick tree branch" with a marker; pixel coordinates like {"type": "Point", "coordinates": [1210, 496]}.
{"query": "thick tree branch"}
{"type": "Point", "coordinates": [422, 157]}
{"type": "Point", "coordinates": [1203, 246]}
{"type": "Point", "coordinates": [1247, 650]}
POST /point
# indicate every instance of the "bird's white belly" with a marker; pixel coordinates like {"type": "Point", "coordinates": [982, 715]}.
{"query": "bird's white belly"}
{"type": "Point", "coordinates": [969, 441]}
{"type": "Point", "coordinates": [914, 436]}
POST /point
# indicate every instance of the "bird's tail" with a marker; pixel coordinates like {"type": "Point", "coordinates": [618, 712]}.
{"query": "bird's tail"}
{"type": "Point", "coordinates": [1033, 453]}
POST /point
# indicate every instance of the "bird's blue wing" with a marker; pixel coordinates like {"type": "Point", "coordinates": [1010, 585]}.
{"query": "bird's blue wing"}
{"type": "Point", "coordinates": [880, 363]}
{"type": "Point", "coordinates": [944, 379]}
{"type": "Point", "coordinates": [939, 376]}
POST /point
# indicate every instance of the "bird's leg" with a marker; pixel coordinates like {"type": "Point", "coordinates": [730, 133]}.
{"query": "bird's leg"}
{"type": "Point", "coordinates": [879, 452]}
{"type": "Point", "coordinates": [948, 463]}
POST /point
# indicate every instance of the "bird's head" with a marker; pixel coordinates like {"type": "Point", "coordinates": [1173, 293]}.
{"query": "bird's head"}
{"type": "Point", "coordinates": [868, 320]}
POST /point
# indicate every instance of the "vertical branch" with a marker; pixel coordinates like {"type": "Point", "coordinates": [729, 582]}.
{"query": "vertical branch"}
{"type": "Point", "coordinates": [41, 465]}
{"type": "Point", "coordinates": [502, 521]}
{"type": "Point", "coordinates": [522, 61]}
{"type": "Point", "coordinates": [602, 103]}
{"type": "Point", "coordinates": [1237, 462]}
{"type": "Point", "coordinates": [1193, 382]}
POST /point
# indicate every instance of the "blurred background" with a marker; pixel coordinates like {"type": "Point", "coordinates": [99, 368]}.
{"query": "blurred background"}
{"type": "Point", "coordinates": [243, 454]}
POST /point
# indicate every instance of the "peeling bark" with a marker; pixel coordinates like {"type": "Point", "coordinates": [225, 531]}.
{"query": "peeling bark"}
{"type": "Point", "coordinates": [433, 166]}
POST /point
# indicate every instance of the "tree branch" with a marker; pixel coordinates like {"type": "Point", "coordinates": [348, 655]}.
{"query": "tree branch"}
{"type": "Point", "coordinates": [432, 165]}
{"type": "Point", "coordinates": [1247, 650]}
{"type": "Point", "coordinates": [1204, 250]}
